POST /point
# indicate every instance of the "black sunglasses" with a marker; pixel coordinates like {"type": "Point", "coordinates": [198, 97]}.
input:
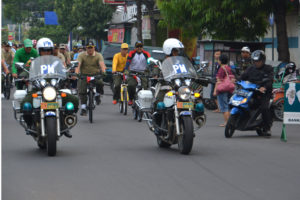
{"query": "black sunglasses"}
{"type": "Point", "coordinates": [139, 46]}
{"type": "Point", "coordinates": [46, 50]}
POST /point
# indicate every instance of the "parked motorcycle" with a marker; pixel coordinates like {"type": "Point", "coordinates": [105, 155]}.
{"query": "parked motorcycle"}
{"type": "Point", "coordinates": [45, 115]}
{"type": "Point", "coordinates": [245, 115]}
{"type": "Point", "coordinates": [172, 119]}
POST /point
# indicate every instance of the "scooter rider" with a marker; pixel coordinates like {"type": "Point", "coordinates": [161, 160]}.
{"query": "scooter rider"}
{"type": "Point", "coordinates": [261, 74]}
{"type": "Point", "coordinates": [137, 62]}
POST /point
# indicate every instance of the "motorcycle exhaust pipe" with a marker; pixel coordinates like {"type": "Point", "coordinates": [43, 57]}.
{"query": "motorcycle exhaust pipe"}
{"type": "Point", "coordinates": [200, 120]}
{"type": "Point", "coordinates": [71, 120]}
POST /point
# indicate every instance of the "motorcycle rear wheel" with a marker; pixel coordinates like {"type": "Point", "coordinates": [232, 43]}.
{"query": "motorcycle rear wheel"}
{"type": "Point", "coordinates": [278, 109]}
{"type": "Point", "coordinates": [51, 135]}
{"type": "Point", "coordinates": [186, 139]}
{"type": "Point", "coordinates": [229, 128]}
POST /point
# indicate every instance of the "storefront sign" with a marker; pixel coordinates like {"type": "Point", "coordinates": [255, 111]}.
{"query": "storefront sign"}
{"type": "Point", "coordinates": [116, 35]}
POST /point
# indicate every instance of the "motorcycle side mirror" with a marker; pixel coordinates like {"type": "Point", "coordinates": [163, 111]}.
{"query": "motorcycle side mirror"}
{"type": "Point", "coordinates": [19, 65]}
{"type": "Point", "coordinates": [152, 61]}
{"type": "Point", "coordinates": [265, 80]}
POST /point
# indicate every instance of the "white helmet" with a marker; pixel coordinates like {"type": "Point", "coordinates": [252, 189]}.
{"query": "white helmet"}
{"type": "Point", "coordinates": [44, 43]}
{"type": "Point", "coordinates": [170, 44]}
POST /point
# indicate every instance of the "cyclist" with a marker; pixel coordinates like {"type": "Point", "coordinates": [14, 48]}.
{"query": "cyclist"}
{"type": "Point", "coordinates": [119, 63]}
{"type": "Point", "coordinates": [8, 53]}
{"type": "Point", "coordinates": [137, 62]}
{"type": "Point", "coordinates": [6, 71]}
{"type": "Point", "coordinates": [89, 63]}
{"type": "Point", "coordinates": [23, 55]}
{"type": "Point", "coordinates": [62, 50]}
{"type": "Point", "coordinates": [72, 53]}
{"type": "Point", "coordinates": [59, 55]}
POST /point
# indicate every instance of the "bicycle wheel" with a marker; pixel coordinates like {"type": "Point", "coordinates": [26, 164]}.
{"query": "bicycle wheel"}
{"type": "Point", "coordinates": [125, 103]}
{"type": "Point", "coordinates": [7, 87]}
{"type": "Point", "coordinates": [91, 105]}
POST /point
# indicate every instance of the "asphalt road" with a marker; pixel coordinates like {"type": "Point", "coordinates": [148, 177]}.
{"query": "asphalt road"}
{"type": "Point", "coordinates": [117, 158]}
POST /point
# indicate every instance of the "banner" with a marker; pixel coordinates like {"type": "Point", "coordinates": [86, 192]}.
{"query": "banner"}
{"type": "Point", "coordinates": [146, 28]}
{"type": "Point", "coordinates": [291, 103]}
{"type": "Point", "coordinates": [50, 18]}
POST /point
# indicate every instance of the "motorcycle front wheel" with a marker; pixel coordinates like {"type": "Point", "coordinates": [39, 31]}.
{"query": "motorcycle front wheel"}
{"type": "Point", "coordinates": [50, 123]}
{"type": "Point", "coordinates": [230, 126]}
{"type": "Point", "coordinates": [185, 140]}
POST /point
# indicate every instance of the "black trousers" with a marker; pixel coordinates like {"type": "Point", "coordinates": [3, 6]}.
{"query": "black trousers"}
{"type": "Point", "coordinates": [264, 102]}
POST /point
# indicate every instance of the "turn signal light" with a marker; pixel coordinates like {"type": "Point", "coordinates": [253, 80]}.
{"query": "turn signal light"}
{"type": "Point", "coordinates": [63, 94]}
{"type": "Point", "coordinates": [34, 95]}
{"type": "Point", "coordinates": [197, 95]}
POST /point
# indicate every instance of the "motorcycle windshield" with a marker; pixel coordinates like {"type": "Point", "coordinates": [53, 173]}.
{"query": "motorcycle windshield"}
{"type": "Point", "coordinates": [247, 85]}
{"type": "Point", "coordinates": [47, 67]}
{"type": "Point", "coordinates": [177, 67]}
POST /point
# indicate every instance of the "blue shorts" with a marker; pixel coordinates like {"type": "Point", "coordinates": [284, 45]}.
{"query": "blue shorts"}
{"type": "Point", "coordinates": [223, 101]}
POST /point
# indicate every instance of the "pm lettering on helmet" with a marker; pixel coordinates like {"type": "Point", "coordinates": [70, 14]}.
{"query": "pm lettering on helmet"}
{"type": "Point", "coordinates": [46, 69]}
{"type": "Point", "coordinates": [47, 44]}
{"type": "Point", "coordinates": [179, 68]}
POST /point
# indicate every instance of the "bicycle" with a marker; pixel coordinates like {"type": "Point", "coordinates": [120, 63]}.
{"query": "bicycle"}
{"type": "Point", "coordinates": [91, 91]}
{"type": "Point", "coordinates": [124, 98]}
{"type": "Point", "coordinates": [7, 85]}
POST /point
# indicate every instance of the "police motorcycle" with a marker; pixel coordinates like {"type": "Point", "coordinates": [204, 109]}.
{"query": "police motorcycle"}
{"type": "Point", "coordinates": [45, 117]}
{"type": "Point", "coordinates": [172, 119]}
{"type": "Point", "coordinates": [245, 115]}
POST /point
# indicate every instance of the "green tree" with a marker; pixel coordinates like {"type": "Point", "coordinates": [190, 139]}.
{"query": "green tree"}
{"type": "Point", "coordinates": [93, 17]}
{"type": "Point", "coordinates": [228, 19]}
{"type": "Point", "coordinates": [56, 33]}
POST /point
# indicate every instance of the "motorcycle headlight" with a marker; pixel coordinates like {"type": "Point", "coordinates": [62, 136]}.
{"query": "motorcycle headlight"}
{"type": "Point", "coordinates": [53, 82]}
{"type": "Point", "coordinates": [49, 93]}
{"type": "Point", "coordinates": [43, 82]}
{"type": "Point", "coordinates": [184, 93]}
{"type": "Point", "coordinates": [187, 82]}
{"type": "Point", "coordinates": [178, 82]}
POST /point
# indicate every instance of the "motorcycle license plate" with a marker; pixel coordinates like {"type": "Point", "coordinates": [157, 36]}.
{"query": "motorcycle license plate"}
{"type": "Point", "coordinates": [49, 105]}
{"type": "Point", "coordinates": [186, 105]}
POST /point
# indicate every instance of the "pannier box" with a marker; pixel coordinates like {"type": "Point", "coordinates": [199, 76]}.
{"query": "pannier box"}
{"type": "Point", "coordinates": [145, 98]}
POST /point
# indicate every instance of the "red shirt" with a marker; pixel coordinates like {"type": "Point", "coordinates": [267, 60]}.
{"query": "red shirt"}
{"type": "Point", "coordinates": [221, 72]}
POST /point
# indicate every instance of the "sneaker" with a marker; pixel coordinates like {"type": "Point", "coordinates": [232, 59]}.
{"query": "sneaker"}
{"type": "Point", "coordinates": [2, 96]}
{"type": "Point", "coordinates": [83, 112]}
{"type": "Point", "coordinates": [130, 102]}
{"type": "Point", "coordinates": [114, 102]}
{"type": "Point", "coordinates": [98, 100]}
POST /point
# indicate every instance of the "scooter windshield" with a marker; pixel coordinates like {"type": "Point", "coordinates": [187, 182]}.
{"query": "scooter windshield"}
{"type": "Point", "coordinates": [177, 67]}
{"type": "Point", "coordinates": [47, 67]}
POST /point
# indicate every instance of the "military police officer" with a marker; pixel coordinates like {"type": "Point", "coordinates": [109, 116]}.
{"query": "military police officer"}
{"type": "Point", "coordinates": [90, 63]}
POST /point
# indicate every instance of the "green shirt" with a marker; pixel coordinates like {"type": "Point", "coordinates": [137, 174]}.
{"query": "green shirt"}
{"type": "Point", "coordinates": [89, 65]}
{"type": "Point", "coordinates": [22, 56]}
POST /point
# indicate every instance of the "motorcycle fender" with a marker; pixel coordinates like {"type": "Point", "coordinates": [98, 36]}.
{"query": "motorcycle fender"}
{"type": "Point", "coordinates": [235, 110]}
{"type": "Point", "coordinates": [185, 113]}
{"type": "Point", "coordinates": [50, 114]}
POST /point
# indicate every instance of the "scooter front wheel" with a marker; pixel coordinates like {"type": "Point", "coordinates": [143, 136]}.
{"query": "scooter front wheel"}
{"type": "Point", "coordinates": [230, 126]}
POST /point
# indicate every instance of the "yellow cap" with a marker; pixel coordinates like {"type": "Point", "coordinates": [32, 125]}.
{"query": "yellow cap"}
{"type": "Point", "coordinates": [124, 46]}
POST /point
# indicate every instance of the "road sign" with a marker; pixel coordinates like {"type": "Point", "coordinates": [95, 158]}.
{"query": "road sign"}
{"type": "Point", "coordinates": [292, 103]}
{"type": "Point", "coordinates": [10, 37]}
